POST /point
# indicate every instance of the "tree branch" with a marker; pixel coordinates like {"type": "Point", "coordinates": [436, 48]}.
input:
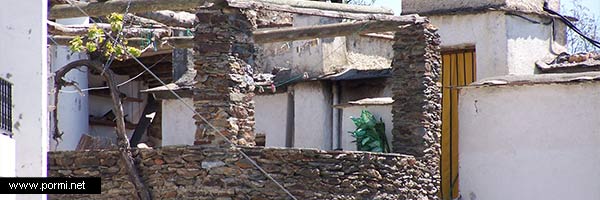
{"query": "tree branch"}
{"type": "Point", "coordinates": [74, 30]}
{"type": "Point", "coordinates": [122, 141]}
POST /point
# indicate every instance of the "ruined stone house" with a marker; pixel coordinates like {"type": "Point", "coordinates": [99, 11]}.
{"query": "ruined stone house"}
{"type": "Point", "coordinates": [240, 56]}
{"type": "Point", "coordinates": [439, 109]}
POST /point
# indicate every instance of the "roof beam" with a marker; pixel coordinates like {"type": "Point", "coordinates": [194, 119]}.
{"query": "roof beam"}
{"type": "Point", "coordinates": [333, 30]}
{"type": "Point", "coordinates": [271, 5]}
{"type": "Point", "coordinates": [297, 33]}
{"type": "Point", "coordinates": [96, 9]}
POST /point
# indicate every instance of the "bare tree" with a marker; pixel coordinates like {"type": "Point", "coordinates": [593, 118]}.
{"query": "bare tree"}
{"type": "Point", "coordinates": [588, 23]}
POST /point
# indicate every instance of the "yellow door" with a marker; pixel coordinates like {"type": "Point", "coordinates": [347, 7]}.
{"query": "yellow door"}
{"type": "Point", "coordinates": [458, 69]}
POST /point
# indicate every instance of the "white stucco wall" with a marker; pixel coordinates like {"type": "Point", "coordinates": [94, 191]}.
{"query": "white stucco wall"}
{"type": "Point", "coordinates": [504, 44]}
{"type": "Point", "coordinates": [72, 107]}
{"type": "Point", "coordinates": [178, 124]}
{"type": "Point", "coordinates": [23, 61]}
{"type": "Point", "coordinates": [485, 30]}
{"type": "Point", "coordinates": [7, 166]}
{"type": "Point", "coordinates": [271, 114]}
{"type": "Point", "coordinates": [383, 112]}
{"type": "Point", "coordinates": [312, 115]}
{"type": "Point", "coordinates": [436, 6]}
{"type": "Point", "coordinates": [528, 42]}
{"type": "Point", "coordinates": [314, 56]}
{"type": "Point", "coordinates": [530, 142]}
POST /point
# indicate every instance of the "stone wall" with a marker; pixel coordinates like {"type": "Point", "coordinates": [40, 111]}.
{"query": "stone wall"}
{"type": "Point", "coordinates": [208, 172]}
{"type": "Point", "coordinates": [416, 70]}
{"type": "Point", "coordinates": [224, 57]}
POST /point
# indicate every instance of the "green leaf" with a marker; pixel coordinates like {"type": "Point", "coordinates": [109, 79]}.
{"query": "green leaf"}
{"type": "Point", "coordinates": [134, 51]}
{"type": "Point", "coordinates": [369, 133]}
{"type": "Point", "coordinates": [116, 22]}
{"type": "Point", "coordinates": [76, 44]}
{"type": "Point", "coordinates": [364, 141]}
{"type": "Point", "coordinates": [90, 46]}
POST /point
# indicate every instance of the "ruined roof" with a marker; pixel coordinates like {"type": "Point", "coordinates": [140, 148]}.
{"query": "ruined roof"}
{"type": "Point", "coordinates": [379, 101]}
{"type": "Point", "coordinates": [565, 63]}
{"type": "Point", "coordinates": [355, 74]}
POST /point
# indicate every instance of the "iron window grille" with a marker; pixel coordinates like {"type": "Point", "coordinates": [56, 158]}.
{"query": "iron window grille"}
{"type": "Point", "coordinates": [5, 107]}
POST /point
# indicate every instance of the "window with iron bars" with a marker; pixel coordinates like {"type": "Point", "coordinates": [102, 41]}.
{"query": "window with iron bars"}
{"type": "Point", "coordinates": [5, 107]}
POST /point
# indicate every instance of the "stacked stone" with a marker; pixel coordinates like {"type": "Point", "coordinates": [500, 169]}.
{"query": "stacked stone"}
{"type": "Point", "coordinates": [224, 59]}
{"type": "Point", "coordinates": [417, 93]}
{"type": "Point", "coordinates": [209, 172]}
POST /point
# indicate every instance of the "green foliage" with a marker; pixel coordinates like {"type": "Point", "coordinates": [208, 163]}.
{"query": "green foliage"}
{"type": "Point", "coordinates": [95, 40]}
{"type": "Point", "coordinates": [116, 22]}
{"type": "Point", "coordinates": [76, 44]}
{"type": "Point", "coordinates": [370, 133]}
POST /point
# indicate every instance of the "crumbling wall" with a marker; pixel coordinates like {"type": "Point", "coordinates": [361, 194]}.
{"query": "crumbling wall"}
{"type": "Point", "coordinates": [206, 172]}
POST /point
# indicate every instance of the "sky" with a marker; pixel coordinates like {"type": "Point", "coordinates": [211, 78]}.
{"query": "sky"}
{"type": "Point", "coordinates": [593, 5]}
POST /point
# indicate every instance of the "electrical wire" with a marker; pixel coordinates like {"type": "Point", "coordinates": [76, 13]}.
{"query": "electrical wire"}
{"type": "Point", "coordinates": [196, 112]}
{"type": "Point", "coordinates": [118, 85]}
{"type": "Point", "coordinates": [571, 26]}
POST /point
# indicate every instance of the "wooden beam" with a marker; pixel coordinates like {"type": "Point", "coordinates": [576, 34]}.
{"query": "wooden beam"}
{"type": "Point", "coordinates": [74, 30]}
{"type": "Point", "coordinates": [331, 30]}
{"type": "Point", "coordinates": [258, 5]}
{"type": "Point", "coordinates": [313, 5]}
{"type": "Point", "coordinates": [171, 18]}
{"type": "Point", "coordinates": [291, 33]}
{"type": "Point", "coordinates": [96, 9]}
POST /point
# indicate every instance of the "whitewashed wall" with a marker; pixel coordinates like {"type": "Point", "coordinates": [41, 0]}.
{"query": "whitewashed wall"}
{"type": "Point", "coordinates": [312, 115]}
{"type": "Point", "coordinates": [99, 105]}
{"type": "Point", "coordinates": [487, 31]}
{"type": "Point", "coordinates": [178, 124]}
{"type": "Point", "coordinates": [23, 61]}
{"type": "Point", "coordinates": [7, 166]}
{"type": "Point", "coordinates": [73, 110]}
{"type": "Point", "coordinates": [383, 112]}
{"type": "Point", "coordinates": [504, 44]}
{"type": "Point", "coordinates": [528, 42]}
{"type": "Point", "coordinates": [530, 142]}
{"type": "Point", "coordinates": [314, 56]}
{"type": "Point", "coordinates": [271, 114]}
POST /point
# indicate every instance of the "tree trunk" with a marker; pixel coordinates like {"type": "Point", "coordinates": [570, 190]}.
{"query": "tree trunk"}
{"type": "Point", "coordinates": [123, 144]}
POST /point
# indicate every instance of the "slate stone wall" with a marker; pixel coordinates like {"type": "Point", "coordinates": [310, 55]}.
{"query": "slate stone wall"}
{"type": "Point", "coordinates": [224, 58]}
{"type": "Point", "coordinates": [416, 88]}
{"type": "Point", "coordinates": [209, 172]}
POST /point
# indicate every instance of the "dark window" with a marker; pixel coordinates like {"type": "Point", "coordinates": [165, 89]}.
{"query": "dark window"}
{"type": "Point", "coordinates": [5, 107]}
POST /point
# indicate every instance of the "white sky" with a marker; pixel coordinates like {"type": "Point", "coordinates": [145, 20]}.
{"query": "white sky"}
{"type": "Point", "coordinates": [593, 5]}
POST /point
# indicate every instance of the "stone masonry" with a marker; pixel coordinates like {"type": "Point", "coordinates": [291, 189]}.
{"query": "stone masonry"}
{"type": "Point", "coordinates": [224, 59]}
{"type": "Point", "coordinates": [209, 172]}
{"type": "Point", "coordinates": [417, 108]}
